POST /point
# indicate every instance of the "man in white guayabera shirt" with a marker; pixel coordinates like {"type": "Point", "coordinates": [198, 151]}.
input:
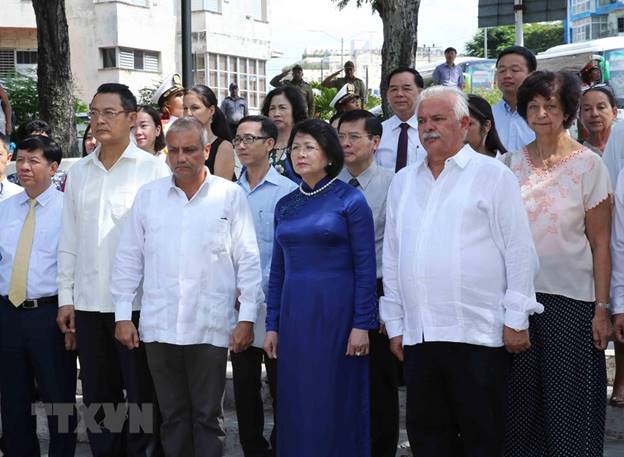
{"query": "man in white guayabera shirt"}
{"type": "Point", "coordinates": [191, 240]}
{"type": "Point", "coordinates": [99, 192]}
{"type": "Point", "coordinates": [458, 269]}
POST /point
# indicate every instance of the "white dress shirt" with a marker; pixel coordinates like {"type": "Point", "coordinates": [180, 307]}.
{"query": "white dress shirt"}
{"type": "Point", "coordinates": [613, 156]}
{"type": "Point", "coordinates": [96, 204]}
{"type": "Point", "coordinates": [458, 256]}
{"type": "Point", "coordinates": [8, 189]}
{"type": "Point", "coordinates": [191, 255]}
{"type": "Point", "coordinates": [512, 129]}
{"type": "Point", "coordinates": [374, 183]}
{"type": "Point", "coordinates": [41, 277]}
{"type": "Point", "coordinates": [617, 250]}
{"type": "Point", "coordinates": [386, 153]}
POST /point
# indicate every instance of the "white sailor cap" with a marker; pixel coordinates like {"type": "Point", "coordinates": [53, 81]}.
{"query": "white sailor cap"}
{"type": "Point", "coordinates": [172, 84]}
{"type": "Point", "coordinates": [347, 91]}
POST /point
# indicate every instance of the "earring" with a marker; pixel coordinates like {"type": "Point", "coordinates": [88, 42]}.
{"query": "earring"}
{"type": "Point", "coordinates": [329, 164]}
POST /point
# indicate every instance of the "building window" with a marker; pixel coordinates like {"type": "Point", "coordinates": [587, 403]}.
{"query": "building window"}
{"type": "Point", "coordinates": [109, 57]}
{"type": "Point", "coordinates": [600, 3]}
{"type": "Point", "coordinates": [213, 6]}
{"type": "Point", "coordinates": [620, 24]}
{"type": "Point", "coordinates": [580, 6]}
{"type": "Point", "coordinates": [26, 57]}
{"type": "Point", "coordinates": [600, 27]}
{"type": "Point", "coordinates": [131, 59]}
{"type": "Point", "coordinates": [219, 70]}
{"type": "Point", "coordinates": [7, 62]}
{"type": "Point", "coordinates": [259, 10]}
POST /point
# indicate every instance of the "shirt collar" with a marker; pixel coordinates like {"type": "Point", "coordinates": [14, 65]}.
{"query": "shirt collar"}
{"type": "Point", "coordinates": [42, 199]}
{"type": "Point", "coordinates": [272, 177]}
{"type": "Point", "coordinates": [131, 152]}
{"type": "Point", "coordinates": [365, 177]}
{"type": "Point", "coordinates": [461, 158]}
{"type": "Point", "coordinates": [174, 188]}
{"type": "Point", "coordinates": [396, 122]}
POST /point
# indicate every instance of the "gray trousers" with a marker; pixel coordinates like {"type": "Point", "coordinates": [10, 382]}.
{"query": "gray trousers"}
{"type": "Point", "coordinates": [189, 382]}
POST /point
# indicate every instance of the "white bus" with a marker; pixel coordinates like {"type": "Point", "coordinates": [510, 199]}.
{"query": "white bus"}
{"type": "Point", "coordinates": [574, 56]}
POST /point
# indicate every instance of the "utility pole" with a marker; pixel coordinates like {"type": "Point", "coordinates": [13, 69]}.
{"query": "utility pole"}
{"type": "Point", "coordinates": [187, 51]}
{"type": "Point", "coordinates": [485, 51]}
{"type": "Point", "coordinates": [518, 8]}
{"type": "Point", "coordinates": [342, 51]}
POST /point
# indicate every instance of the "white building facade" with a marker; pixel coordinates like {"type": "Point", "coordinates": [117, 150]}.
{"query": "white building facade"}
{"type": "Point", "coordinates": [138, 43]}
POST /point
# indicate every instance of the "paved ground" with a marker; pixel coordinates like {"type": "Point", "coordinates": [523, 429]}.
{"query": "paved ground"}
{"type": "Point", "coordinates": [613, 448]}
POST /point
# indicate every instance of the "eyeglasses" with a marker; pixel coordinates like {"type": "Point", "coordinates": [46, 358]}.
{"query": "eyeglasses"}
{"type": "Point", "coordinates": [247, 139]}
{"type": "Point", "coordinates": [353, 137]}
{"type": "Point", "coordinates": [107, 114]}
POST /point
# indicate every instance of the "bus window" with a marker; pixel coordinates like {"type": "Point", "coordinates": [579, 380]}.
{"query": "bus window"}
{"type": "Point", "coordinates": [615, 61]}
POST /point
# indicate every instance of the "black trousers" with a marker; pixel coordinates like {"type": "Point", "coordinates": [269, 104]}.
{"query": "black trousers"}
{"type": "Point", "coordinates": [384, 402]}
{"type": "Point", "coordinates": [190, 381]}
{"type": "Point", "coordinates": [107, 368]}
{"type": "Point", "coordinates": [247, 372]}
{"type": "Point", "coordinates": [456, 396]}
{"type": "Point", "coordinates": [32, 345]}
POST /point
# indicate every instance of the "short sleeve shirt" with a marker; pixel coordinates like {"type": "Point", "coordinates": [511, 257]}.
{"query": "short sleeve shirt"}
{"type": "Point", "coordinates": [557, 201]}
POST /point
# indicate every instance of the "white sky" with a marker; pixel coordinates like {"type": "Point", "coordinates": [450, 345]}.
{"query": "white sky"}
{"type": "Point", "coordinates": [441, 22]}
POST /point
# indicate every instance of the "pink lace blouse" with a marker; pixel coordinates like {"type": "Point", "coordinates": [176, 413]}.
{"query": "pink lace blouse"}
{"type": "Point", "coordinates": [556, 201]}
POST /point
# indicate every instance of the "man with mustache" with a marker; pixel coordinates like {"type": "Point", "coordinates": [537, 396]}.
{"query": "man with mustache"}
{"type": "Point", "coordinates": [188, 319]}
{"type": "Point", "coordinates": [458, 268]}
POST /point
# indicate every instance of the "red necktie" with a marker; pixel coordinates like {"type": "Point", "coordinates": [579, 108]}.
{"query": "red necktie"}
{"type": "Point", "coordinates": [401, 159]}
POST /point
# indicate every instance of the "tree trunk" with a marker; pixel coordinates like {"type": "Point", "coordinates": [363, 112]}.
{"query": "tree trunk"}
{"type": "Point", "coordinates": [400, 23]}
{"type": "Point", "coordinates": [54, 79]}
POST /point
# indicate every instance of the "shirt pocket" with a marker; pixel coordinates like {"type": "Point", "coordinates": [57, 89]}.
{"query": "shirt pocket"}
{"type": "Point", "coordinates": [217, 237]}
{"type": "Point", "coordinates": [120, 203]}
{"type": "Point", "coordinates": [48, 241]}
{"type": "Point", "coordinates": [266, 226]}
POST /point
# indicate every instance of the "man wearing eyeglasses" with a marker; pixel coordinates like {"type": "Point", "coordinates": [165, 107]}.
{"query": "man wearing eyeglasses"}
{"type": "Point", "coordinates": [99, 192]}
{"type": "Point", "coordinates": [264, 186]}
{"type": "Point", "coordinates": [360, 132]}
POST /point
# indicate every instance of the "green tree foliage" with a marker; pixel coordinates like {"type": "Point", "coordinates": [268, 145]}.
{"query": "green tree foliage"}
{"type": "Point", "coordinates": [537, 37]}
{"type": "Point", "coordinates": [22, 92]}
{"type": "Point", "coordinates": [322, 100]}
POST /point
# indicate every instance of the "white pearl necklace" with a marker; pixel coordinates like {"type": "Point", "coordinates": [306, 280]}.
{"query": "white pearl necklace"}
{"type": "Point", "coordinates": [319, 190]}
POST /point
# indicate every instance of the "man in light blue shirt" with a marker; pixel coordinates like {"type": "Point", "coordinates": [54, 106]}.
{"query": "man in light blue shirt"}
{"type": "Point", "coordinates": [264, 186]}
{"type": "Point", "coordinates": [447, 73]}
{"type": "Point", "coordinates": [514, 64]}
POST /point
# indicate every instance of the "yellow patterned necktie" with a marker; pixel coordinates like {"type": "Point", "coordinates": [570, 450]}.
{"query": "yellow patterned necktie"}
{"type": "Point", "coordinates": [19, 276]}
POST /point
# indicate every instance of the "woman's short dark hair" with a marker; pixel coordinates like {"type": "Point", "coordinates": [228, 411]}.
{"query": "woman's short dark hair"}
{"type": "Point", "coordinates": [294, 98]}
{"type": "Point", "coordinates": [548, 84]}
{"type": "Point", "coordinates": [159, 144]}
{"type": "Point", "coordinates": [219, 124]}
{"type": "Point", "coordinates": [51, 150]}
{"type": "Point", "coordinates": [327, 138]}
{"type": "Point", "coordinates": [607, 91]}
{"type": "Point", "coordinates": [85, 135]}
{"type": "Point", "coordinates": [481, 110]}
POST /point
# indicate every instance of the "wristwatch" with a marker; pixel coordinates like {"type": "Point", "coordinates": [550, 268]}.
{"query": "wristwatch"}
{"type": "Point", "coordinates": [605, 306]}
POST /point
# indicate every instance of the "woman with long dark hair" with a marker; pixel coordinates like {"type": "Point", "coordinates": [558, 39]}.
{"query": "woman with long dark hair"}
{"type": "Point", "coordinates": [285, 107]}
{"type": "Point", "coordinates": [482, 134]}
{"type": "Point", "coordinates": [148, 131]}
{"type": "Point", "coordinates": [200, 102]}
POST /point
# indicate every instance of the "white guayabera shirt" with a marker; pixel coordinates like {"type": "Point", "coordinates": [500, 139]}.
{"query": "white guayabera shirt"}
{"type": "Point", "coordinates": [96, 203]}
{"type": "Point", "coordinates": [458, 255]}
{"type": "Point", "coordinates": [191, 255]}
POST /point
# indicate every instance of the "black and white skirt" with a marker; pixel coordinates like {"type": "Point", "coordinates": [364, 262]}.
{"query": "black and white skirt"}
{"type": "Point", "coordinates": [557, 391]}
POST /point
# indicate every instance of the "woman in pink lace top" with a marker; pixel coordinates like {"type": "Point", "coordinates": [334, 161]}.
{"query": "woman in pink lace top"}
{"type": "Point", "coordinates": [557, 391]}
